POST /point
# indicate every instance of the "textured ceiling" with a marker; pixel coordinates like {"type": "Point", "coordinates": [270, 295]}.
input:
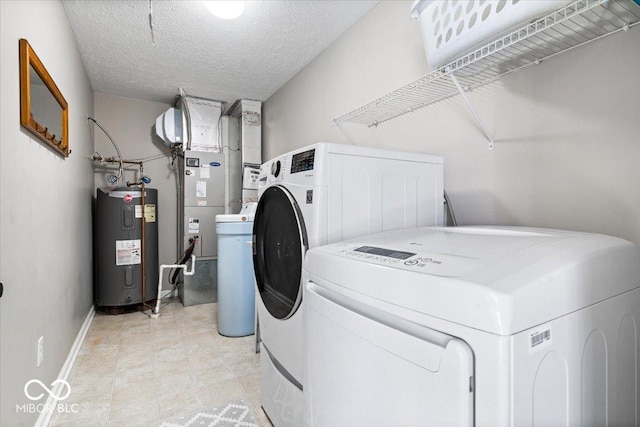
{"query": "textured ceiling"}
{"type": "Point", "coordinates": [250, 57]}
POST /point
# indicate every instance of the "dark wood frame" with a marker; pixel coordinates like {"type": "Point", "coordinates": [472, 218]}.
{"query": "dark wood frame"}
{"type": "Point", "coordinates": [28, 58]}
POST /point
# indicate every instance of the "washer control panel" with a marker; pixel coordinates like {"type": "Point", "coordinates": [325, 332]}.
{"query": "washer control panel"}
{"type": "Point", "coordinates": [303, 161]}
{"type": "Point", "coordinates": [424, 260]}
{"type": "Point", "coordinates": [386, 256]}
{"type": "Point", "coordinates": [382, 252]}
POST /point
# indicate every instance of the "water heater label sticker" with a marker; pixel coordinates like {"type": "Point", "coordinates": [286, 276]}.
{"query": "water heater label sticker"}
{"type": "Point", "coordinates": [138, 211]}
{"type": "Point", "coordinates": [205, 172]}
{"type": "Point", "coordinates": [150, 213]}
{"type": "Point", "coordinates": [194, 226]}
{"type": "Point", "coordinates": [540, 338]}
{"type": "Point", "coordinates": [128, 252]}
{"type": "Point", "coordinates": [202, 203]}
{"type": "Point", "coordinates": [201, 188]}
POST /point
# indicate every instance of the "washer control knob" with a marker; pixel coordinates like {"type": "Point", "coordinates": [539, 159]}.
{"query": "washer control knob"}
{"type": "Point", "coordinates": [275, 168]}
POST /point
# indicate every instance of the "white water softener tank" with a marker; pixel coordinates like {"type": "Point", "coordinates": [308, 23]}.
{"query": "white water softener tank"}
{"type": "Point", "coordinates": [118, 246]}
{"type": "Point", "coordinates": [236, 294]}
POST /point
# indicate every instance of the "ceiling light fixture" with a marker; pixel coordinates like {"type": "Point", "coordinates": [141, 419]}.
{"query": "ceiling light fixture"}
{"type": "Point", "coordinates": [225, 9]}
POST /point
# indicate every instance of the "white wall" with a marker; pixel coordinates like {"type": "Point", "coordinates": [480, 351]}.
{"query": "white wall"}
{"type": "Point", "coordinates": [45, 210]}
{"type": "Point", "coordinates": [130, 123]}
{"type": "Point", "coordinates": [566, 131]}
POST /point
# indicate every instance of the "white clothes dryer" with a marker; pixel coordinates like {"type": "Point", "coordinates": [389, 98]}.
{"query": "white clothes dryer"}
{"type": "Point", "coordinates": [309, 197]}
{"type": "Point", "coordinates": [473, 326]}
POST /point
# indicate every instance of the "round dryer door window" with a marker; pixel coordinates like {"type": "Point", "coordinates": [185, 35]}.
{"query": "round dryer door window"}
{"type": "Point", "coordinates": [280, 245]}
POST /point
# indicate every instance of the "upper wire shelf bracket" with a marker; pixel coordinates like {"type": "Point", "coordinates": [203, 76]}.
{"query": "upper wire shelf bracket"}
{"type": "Point", "coordinates": [574, 25]}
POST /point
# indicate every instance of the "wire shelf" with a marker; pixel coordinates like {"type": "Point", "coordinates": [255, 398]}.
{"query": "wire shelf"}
{"type": "Point", "coordinates": [574, 25]}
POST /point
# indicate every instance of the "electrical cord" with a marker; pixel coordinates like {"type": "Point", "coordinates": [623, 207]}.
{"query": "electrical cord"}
{"type": "Point", "coordinates": [220, 144]}
{"type": "Point", "coordinates": [153, 37]}
{"type": "Point", "coordinates": [452, 215]}
{"type": "Point", "coordinates": [185, 257]}
{"type": "Point", "coordinates": [176, 152]}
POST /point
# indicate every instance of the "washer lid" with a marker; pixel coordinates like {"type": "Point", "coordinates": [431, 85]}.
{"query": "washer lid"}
{"type": "Point", "coordinates": [501, 280]}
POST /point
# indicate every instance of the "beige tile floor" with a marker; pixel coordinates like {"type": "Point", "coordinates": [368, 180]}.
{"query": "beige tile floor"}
{"type": "Point", "coordinates": [137, 371]}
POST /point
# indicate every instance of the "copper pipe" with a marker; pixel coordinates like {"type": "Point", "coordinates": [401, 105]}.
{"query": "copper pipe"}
{"type": "Point", "coordinates": [142, 248]}
{"type": "Point", "coordinates": [98, 158]}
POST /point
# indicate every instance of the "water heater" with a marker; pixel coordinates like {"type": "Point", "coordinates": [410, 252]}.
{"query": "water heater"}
{"type": "Point", "coordinates": [119, 246]}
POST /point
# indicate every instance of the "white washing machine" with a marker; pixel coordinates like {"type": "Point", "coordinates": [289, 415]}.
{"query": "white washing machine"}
{"type": "Point", "coordinates": [473, 326]}
{"type": "Point", "coordinates": [316, 195]}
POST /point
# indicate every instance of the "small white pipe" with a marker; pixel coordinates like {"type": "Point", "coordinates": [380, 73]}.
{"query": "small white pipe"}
{"type": "Point", "coordinates": [156, 310]}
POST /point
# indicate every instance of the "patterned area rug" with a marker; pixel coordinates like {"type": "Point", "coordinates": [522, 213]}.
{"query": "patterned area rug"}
{"type": "Point", "coordinates": [235, 414]}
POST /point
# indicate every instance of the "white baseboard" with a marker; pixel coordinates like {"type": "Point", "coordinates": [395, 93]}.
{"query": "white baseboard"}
{"type": "Point", "coordinates": [45, 416]}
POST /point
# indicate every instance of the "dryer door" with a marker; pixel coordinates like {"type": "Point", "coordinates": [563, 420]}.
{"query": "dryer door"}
{"type": "Point", "coordinates": [279, 248]}
{"type": "Point", "coordinates": [366, 367]}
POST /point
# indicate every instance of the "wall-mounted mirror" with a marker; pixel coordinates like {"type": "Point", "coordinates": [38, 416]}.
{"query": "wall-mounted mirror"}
{"type": "Point", "coordinates": [43, 109]}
